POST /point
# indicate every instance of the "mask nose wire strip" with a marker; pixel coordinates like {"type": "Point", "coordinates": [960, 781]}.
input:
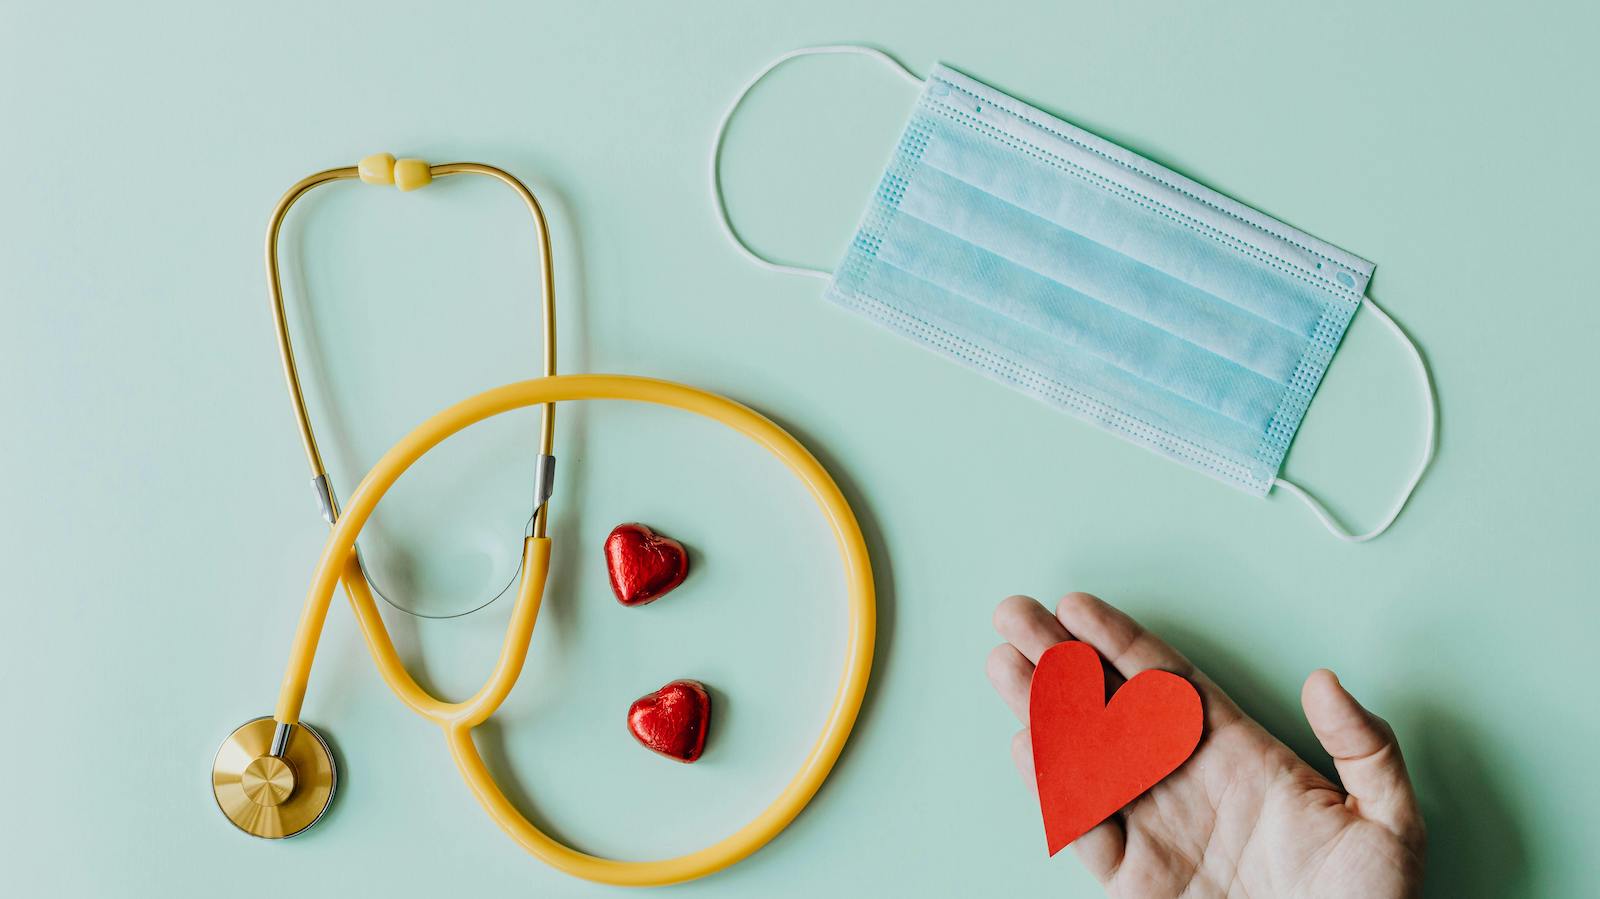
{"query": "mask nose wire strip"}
{"type": "Point", "coordinates": [1321, 511]}
{"type": "Point", "coordinates": [720, 202]}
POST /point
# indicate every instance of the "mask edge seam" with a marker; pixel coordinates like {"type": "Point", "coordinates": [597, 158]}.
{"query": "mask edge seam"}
{"type": "Point", "coordinates": [1335, 290]}
{"type": "Point", "coordinates": [1366, 264]}
{"type": "Point", "coordinates": [1323, 361]}
{"type": "Point", "coordinates": [1072, 399]}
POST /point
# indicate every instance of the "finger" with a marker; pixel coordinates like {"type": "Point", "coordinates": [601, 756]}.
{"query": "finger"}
{"type": "Point", "coordinates": [1028, 626]}
{"type": "Point", "coordinates": [1024, 621]}
{"type": "Point", "coordinates": [1132, 649]}
{"type": "Point", "coordinates": [1011, 673]}
{"type": "Point", "coordinates": [1101, 848]}
{"type": "Point", "coordinates": [1022, 754]}
{"type": "Point", "coordinates": [1364, 751]}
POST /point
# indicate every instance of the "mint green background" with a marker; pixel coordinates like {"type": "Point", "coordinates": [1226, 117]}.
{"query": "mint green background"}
{"type": "Point", "coordinates": [157, 534]}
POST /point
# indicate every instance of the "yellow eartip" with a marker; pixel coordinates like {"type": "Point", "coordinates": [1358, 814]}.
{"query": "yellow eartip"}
{"type": "Point", "coordinates": [410, 174]}
{"type": "Point", "coordinates": [377, 169]}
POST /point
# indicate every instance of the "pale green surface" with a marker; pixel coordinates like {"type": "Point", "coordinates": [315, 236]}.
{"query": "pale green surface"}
{"type": "Point", "coordinates": [157, 534]}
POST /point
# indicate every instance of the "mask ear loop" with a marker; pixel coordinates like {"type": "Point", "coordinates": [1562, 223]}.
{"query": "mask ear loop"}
{"type": "Point", "coordinates": [719, 202]}
{"type": "Point", "coordinates": [1321, 511]}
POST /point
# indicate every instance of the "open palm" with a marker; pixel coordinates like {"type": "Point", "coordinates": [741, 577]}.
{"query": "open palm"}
{"type": "Point", "coordinates": [1244, 816]}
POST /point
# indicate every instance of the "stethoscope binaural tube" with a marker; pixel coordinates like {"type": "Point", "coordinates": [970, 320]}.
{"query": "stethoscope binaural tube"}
{"type": "Point", "coordinates": [407, 175]}
{"type": "Point", "coordinates": [458, 718]}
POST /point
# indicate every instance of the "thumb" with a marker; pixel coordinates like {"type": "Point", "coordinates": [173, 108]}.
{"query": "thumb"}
{"type": "Point", "coordinates": [1364, 751]}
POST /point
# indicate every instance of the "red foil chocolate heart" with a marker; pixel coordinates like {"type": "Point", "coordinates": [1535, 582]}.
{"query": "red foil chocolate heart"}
{"type": "Point", "coordinates": [643, 564]}
{"type": "Point", "coordinates": [673, 720]}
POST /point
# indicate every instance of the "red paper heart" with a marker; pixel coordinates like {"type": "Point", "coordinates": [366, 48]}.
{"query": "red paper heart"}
{"type": "Point", "coordinates": [643, 564]}
{"type": "Point", "coordinates": [1092, 757]}
{"type": "Point", "coordinates": [673, 720]}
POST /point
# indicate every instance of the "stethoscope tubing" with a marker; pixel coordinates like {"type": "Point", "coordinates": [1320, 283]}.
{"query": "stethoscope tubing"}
{"type": "Point", "coordinates": [337, 564]}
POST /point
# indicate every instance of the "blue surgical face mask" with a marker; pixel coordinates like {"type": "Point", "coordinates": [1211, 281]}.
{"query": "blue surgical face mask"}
{"type": "Point", "coordinates": [1098, 281]}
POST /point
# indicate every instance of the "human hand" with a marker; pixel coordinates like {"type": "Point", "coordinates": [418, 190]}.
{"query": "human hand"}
{"type": "Point", "coordinates": [1244, 816]}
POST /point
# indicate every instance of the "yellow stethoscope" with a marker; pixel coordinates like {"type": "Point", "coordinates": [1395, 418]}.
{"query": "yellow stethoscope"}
{"type": "Point", "coordinates": [275, 776]}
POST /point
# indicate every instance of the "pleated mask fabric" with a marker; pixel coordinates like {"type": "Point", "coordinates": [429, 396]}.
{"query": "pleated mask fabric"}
{"type": "Point", "coordinates": [1100, 282]}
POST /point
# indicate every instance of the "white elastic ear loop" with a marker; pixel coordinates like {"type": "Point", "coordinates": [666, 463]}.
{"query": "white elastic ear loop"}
{"type": "Point", "coordinates": [1321, 511]}
{"type": "Point", "coordinates": [717, 199]}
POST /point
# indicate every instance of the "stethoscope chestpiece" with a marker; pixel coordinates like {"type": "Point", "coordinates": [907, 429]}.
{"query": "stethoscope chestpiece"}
{"type": "Point", "coordinates": [273, 780]}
